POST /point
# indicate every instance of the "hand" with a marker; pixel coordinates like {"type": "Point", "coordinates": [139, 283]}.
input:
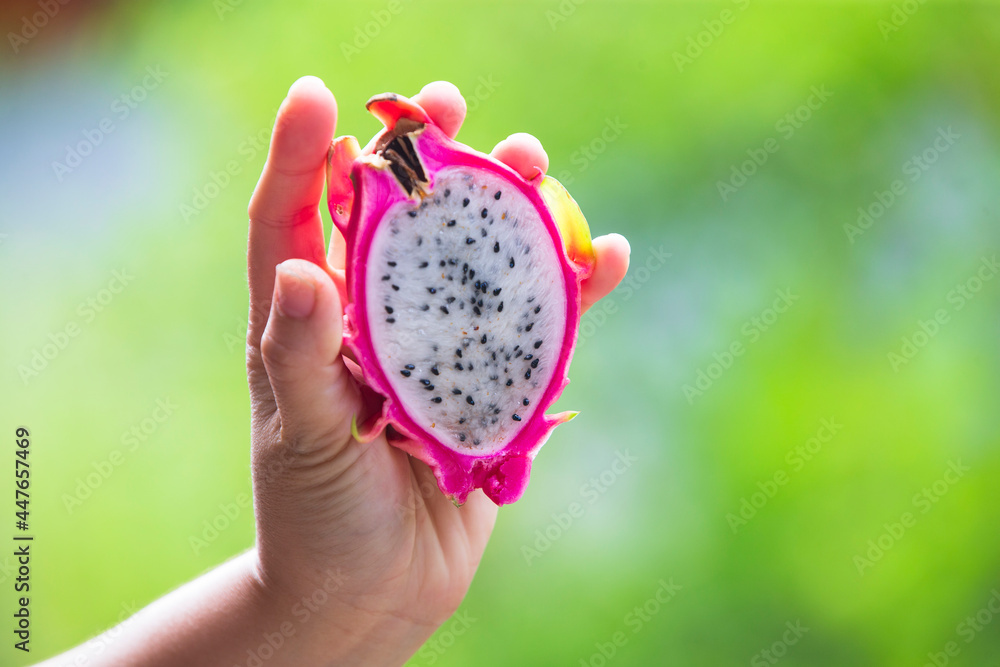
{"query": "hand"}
{"type": "Point", "coordinates": [325, 503]}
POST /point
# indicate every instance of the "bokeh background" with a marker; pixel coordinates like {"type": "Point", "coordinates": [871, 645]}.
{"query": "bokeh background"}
{"type": "Point", "coordinates": [809, 500]}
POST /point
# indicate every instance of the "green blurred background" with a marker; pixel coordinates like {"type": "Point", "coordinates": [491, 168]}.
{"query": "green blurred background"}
{"type": "Point", "coordinates": [807, 112]}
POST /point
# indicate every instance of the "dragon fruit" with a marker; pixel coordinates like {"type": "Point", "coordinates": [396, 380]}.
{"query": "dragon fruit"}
{"type": "Point", "coordinates": [462, 298]}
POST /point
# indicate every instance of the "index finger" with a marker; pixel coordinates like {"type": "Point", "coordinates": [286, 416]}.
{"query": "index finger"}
{"type": "Point", "coordinates": [285, 221]}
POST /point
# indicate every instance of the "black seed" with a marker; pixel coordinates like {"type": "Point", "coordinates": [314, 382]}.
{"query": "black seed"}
{"type": "Point", "coordinates": [451, 223]}
{"type": "Point", "coordinates": [485, 286]}
{"type": "Point", "coordinates": [497, 195]}
{"type": "Point", "coordinates": [500, 307]}
{"type": "Point", "coordinates": [434, 347]}
{"type": "Point", "coordinates": [534, 364]}
{"type": "Point", "coordinates": [434, 369]}
{"type": "Point", "coordinates": [497, 411]}
{"type": "Point", "coordinates": [392, 263]}
{"type": "Point", "coordinates": [429, 387]}
{"type": "Point", "coordinates": [512, 262]}
{"type": "Point", "coordinates": [527, 374]}
{"type": "Point", "coordinates": [496, 292]}
{"type": "Point", "coordinates": [484, 213]}
{"type": "Point", "coordinates": [395, 287]}
{"type": "Point", "coordinates": [472, 274]}
{"type": "Point", "coordinates": [456, 391]}
{"type": "Point", "coordinates": [446, 193]}
{"type": "Point", "coordinates": [509, 382]}
{"type": "Point", "coordinates": [496, 247]}
{"type": "Point", "coordinates": [528, 357]}
{"type": "Point", "coordinates": [423, 265]}
{"type": "Point", "coordinates": [538, 344]}
{"type": "Point", "coordinates": [388, 309]}
{"type": "Point", "coordinates": [478, 284]}
{"type": "Point", "coordinates": [436, 399]}
{"type": "Point", "coordinates": [465, 202]}
{"type": "Point", "coordinates": [409, 367]}
{"type": "Point", "coordinates": [390, 320]}
{"type": "Point", "coordinates": [458, 351]}
{"type": "Point", "coordinates": [441, 263]}
{"type": "Point", "coordinates": [530, 299]}
{"type": "Point", "coordinates": [461, 420]}
{"type": "Point", "coordinates": [461, 305]}
{"type": "Point", "coordinates": [525, 401]}
{"type": "Point", "coordinates": [528, 328]}
{"type": "Point", "coordinates": [518, 353]}
{"type": "Point", "coordinates": [516, 417]}
{"type": "Point", "coordinates": [459, 366]}
{"type": "Point", "coordinates": [425, 307]}
{"type": "Point", "coordinates": [483, 339]}
{"type": "Point", "coordinates": [494, 378]}
{"type": "Point", "coordinates": [479, 303]}
{"type": "Point", "coordinates": [494, 355]}
{"type": "Point", "coordinates": [412, 214]}
{"type": "Point", "coordinates": [432, 290]}
{"type": "Point", "coordinates": [493, 421]}
{"type": "Point", "coordinates": [476, 310]}
{"type": "Point", "coordinates": [537, 309]}
{"type": "Point", "coordinates": [425, 382]}
{"type": "Point", "coordinates": [468, 399]}
{"type": "Point", "coordinates": [475, 441]}
{"type": "Point", "coordinates": [386, 277]}
{"type": "Point", "coordinates": [452, 262]}
{"type": "Point", "coordinates": [470, 365]}
{"type": "Point", "coordinates": [406, 374]}
{"type": "Point", "coordinates": [461, 437]}
{"type": "Point", "coordinates": [469, 240]}
{"type": "Point", "coordinates": [465, 268]}
{"type": "Point", "coordinates": [450, 299]}
{"type": "Point", "coordinates": [420, 240]}
{"type": "Point", "coordinates": [444, 309]}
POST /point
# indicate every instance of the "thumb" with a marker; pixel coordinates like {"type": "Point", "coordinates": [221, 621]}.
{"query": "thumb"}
{"type": "Point", "coordinates": [314, 392]}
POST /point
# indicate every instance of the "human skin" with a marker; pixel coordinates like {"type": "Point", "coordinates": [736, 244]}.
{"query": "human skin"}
{"type": "Point", "coordinates": [358, 557]}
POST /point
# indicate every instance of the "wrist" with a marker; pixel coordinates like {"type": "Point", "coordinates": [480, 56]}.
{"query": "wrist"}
{"type": "Point", "coordinates": [320, 620]}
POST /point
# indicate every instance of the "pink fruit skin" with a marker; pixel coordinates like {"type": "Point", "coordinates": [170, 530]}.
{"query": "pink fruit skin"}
{"type": "Point", "coordinates": [504, 474]}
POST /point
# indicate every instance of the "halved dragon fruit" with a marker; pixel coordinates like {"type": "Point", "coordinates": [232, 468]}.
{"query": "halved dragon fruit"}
{"type": "Point", "coordinates": [463, 297]}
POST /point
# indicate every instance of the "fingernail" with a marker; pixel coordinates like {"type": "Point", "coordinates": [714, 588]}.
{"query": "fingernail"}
{"type": "Point", "coordinates": [295, 294]}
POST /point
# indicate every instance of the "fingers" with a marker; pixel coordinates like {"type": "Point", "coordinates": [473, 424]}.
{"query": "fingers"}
{"type": "Point", "coordinates": [612, 253]}
{"type": "Point", "coordinates": [523, 153]}
{"type": "Point", "coordinates": [300, 349]}
{"type": "Point", "coordinates": [444, 104]}
{"type": "Point", "coordinates": [284, 210]}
